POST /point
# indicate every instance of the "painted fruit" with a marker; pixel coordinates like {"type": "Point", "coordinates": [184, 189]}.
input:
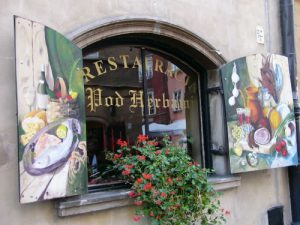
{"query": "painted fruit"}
{"type": "Point", "coordinates": [238, 150]}
{"type": "Point", "coordinates": [74, 94]}
{"type": "Point", "coordinates": [62, 131]}
{"type": "Point", "coordinates": [262, 136]}
{"type": "Point", "coordinates": [275, 119]}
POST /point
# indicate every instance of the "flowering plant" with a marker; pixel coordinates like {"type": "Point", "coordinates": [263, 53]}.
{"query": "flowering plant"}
{"type": "Point", "coordinates": [169, 187]}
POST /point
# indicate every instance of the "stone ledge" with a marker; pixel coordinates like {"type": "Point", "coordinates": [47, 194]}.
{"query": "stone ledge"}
{"type": "Point", "coordinates": [93, 202]}
{"type": "Point", "coordinates": [222, 183]}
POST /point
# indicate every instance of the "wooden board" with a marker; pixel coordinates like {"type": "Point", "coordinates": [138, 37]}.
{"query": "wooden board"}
{"type": "Point", "coordinates": [44, 156]}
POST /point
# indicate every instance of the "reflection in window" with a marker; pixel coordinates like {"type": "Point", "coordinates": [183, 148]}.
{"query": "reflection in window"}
{"type": "Point", "coordinates": [177, 98]}
{"type": "Point", "coordinates": [149, 66]}
{"type": "Point", "coordinates": [151, 102]}
{"type": "Point", "coordinates": [217, 124]}
{"type": "Point", "coordinates": [115, 105]}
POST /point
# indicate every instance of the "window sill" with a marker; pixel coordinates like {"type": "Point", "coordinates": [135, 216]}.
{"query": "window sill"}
{"type": "Point", "coordinates": [93, 202]}
{"type": "Point", "coordinates": [222, 183]}
{"type": "Point", "coordinates": [99, 201]}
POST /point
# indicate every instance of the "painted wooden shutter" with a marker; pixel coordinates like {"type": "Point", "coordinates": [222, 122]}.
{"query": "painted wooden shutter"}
{"type": "Point", "coordinates": [51, 114]}
{"type": "Point", "coordinates": [259, 113]}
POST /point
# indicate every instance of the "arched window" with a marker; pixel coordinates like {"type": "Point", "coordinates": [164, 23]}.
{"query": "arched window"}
{"type": "Point", "coordinates": [132, 90]}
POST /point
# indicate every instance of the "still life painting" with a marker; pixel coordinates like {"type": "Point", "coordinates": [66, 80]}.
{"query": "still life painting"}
{"type": "Point", "coordinates": [51, 114]}
{"type": "Point", "coordinates": [259, 113]}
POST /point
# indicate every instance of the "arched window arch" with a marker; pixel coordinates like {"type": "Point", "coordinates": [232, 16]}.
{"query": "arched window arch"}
{"type": "Point", "coordinates": [178, 47]}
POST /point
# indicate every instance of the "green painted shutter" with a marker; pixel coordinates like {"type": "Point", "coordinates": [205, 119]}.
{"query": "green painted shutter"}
{"type": "Point", "coordinates": [51, 114]}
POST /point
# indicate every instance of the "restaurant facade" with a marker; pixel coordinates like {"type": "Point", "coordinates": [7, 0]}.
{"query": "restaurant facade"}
{"type": "Point", "coordinates": [218, 77]}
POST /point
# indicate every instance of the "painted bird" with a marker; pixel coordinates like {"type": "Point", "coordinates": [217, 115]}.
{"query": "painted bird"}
{"type": "Point", "coordinates": [269, 78]}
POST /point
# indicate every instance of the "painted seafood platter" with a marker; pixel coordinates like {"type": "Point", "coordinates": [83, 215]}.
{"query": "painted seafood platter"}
{"type": "Point", "coordinates": [259, 113]}
{"type": "Point", "coordinates": [52, 146]}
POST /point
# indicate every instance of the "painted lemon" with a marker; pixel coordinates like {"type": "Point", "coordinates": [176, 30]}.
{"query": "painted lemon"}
{"type": "Point", "coordinates": [62, 131]}
{"type": "Point", "coordinates": [74, 94]}
{"type": "Point", "coordinates": [238, 150]}
{"type": "Point", "coordinates": [275, 119]}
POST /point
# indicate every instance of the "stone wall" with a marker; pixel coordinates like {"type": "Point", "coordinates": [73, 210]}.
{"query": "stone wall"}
{"type": "Point", "coordinates": [227, 25]}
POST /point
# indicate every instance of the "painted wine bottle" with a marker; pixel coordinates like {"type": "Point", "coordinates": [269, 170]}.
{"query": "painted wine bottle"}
{"type": "Point", "coordinates": [42, 96]}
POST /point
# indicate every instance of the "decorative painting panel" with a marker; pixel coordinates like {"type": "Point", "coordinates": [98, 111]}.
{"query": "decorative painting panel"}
{"type": "Point", "coordinates": [259, 113]}
{"type": "Point", "coordinates": [51, 114]}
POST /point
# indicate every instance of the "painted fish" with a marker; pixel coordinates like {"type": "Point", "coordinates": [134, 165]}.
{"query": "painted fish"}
{"type": "Point", "coordinates": [54, 153]}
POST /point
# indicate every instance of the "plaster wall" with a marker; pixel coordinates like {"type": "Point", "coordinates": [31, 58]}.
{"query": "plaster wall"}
{"type": "Point", "coordinates": [228, 25]}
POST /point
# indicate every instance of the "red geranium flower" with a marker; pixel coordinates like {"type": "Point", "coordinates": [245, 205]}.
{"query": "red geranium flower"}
{"type": "Point", "coordinates": [148, 186]}
{"type": "Point", "coordinates": [137, 218]}
{"type": "Point", "coordinates": [122, 143]}
{"type": "Point", "coordinates": [142, 157]}
{"type": "Point", "coordinates": [150, 142]}
{"type": "Point", "coordinates": [170, 180]}
{"type": "Point", "coordinates": [142, 138]}
{"type": "Point", "coordinates": [132, 194]}
{"type": "Point", "coordinates": [118, 156]}
{"type": "Point", "coordinates": [139, 180]}
{"type": "Point", "coordinates": [147, 176]}
{"type": "Point", "coordinates": [129, 166]}
{"type": "Point", "coordinates": [158, 202]}
{"type": "Point", "coordinates": [126, 172]}
{"type": "Point", "coordinates": [151, 214]}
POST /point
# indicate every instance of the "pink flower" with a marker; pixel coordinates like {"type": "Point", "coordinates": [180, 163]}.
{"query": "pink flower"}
{"type": "Point", "coordinates": [163, 195]}
{"type": "Point", "coordinates": [142, 157]}
{"type": "Point", "coordinates": [158, 202]}
{"type": "Point", "coordinates": [138, 202]}
{"type": "Point", "coordinates": [137, 218]}
{"type": "Point", "coordinates": [151, 214]}
{"type": "Point", "coordinates": [170, 180]}
{"type": "Point", "coordinates": [158, 152]}
{"type": "Point", "coordinates": [196, 163]}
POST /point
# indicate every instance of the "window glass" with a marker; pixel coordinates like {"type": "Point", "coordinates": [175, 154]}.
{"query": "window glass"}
{"type": "Point", "coordinates": [125, 98]}
{"type": "Point", "coordinates": [217, 123]}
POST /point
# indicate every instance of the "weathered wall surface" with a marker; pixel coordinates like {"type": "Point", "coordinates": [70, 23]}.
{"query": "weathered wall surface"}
{"type": "Point", "coordinates": [227, 25]}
